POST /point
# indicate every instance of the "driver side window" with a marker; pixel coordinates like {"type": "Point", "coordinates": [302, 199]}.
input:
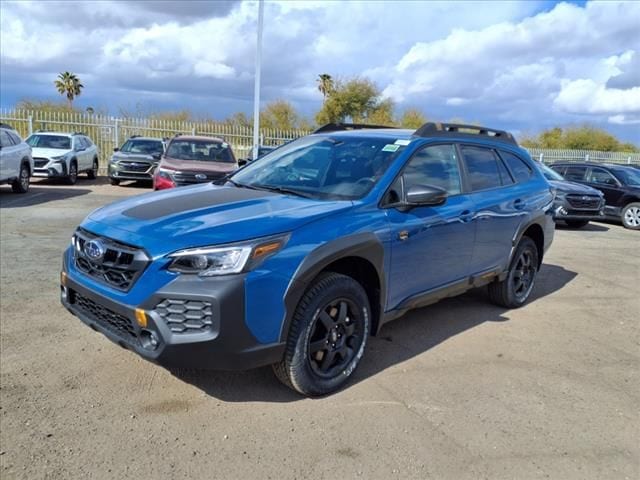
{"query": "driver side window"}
{"type": "Point", "coordinates": [435, 165]}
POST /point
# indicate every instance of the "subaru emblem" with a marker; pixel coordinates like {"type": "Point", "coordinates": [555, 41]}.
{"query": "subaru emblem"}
{"type": "Point", "coordinates": [201, 176]}
{"type": "Point", "coordinates": [94, 249]}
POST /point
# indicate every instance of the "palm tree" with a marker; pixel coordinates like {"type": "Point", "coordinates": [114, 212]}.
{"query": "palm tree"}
{"type": "Point", "coordinates": [68, 84]}
{"type": "Point", "coordinates": [325, 84]}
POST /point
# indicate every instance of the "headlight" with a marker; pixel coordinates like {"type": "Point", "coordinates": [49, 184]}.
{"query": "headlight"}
{"type": "Point", "coordinates": [560, 195]}
{"type": "Point", "coordinates": [164, 173]}
{"type": "Point", "coordinates": [59, 157]}
{"type": "Point", "coordinates": [225, 260]}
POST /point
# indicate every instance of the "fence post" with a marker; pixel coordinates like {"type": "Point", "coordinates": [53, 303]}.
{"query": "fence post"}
{"type": "Point", "coordinates": [115, 130]}
{"type": "Point", "coordinates": [542, 158]}
{"type": "Point", "coordinates": [629, 160]}
{"type": "Point", "coordinates": [30, 124]}
{"type": "Point", "coordinates": [586, 157]}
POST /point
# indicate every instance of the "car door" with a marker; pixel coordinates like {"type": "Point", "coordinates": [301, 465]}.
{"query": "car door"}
{"type": "Point", "coordinates": [431, 246]}
{"type": "Point", "coordinates": [499, 204]}
{"type": "Point", "coordinates": [80, 152]}
{"type": "Point", "coordinates": [9, 161]}
{"type": "Point", "coordinates": [604, 181]}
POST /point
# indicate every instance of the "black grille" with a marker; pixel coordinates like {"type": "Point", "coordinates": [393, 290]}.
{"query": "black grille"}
{"type": "Point", "coordinates": [584, 201]}
{"type": "Point", "coordinates": [119, 266]}
{"type": "Point", "coordinates": [139, 167]}
{"type": "Point", "coordinates": [40, 162]}
{"type": "Point", "coordinates": [112, 321]}
{"type": "Point", "coordinates": [189, 178]}
{"type": "Point", "coordinates": [185, 316]}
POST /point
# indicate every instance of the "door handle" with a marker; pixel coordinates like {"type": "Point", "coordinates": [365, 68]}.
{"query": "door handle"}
{"type": "Point", "coordinates": [466, 216]}
{"type": "Point", "coordinates": [518, 204]}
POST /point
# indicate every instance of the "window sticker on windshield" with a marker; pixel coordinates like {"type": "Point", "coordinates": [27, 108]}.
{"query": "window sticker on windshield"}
{"type": "Point", "coordinates": [402, 142]}
{"type": "Point", "coordinates": [225, 145]}
{"type": "Point", "coordinates": [390, 148]}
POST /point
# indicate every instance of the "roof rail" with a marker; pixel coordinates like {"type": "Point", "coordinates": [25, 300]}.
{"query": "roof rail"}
{"type": "Point", "coordinates": [135, 136]}
{"type": "Point", "coordinates": [337, 127]}
{"type": "Point", "coordinates": [436, 129]}
{"type": "Point", "coordinates": [6, 125]}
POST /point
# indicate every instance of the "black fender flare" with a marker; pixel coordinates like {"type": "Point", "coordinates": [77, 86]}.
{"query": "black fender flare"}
{"type": "Point", "coordinates": [537, 220]}
{"type": "Point", "coordinates": [363, 245]}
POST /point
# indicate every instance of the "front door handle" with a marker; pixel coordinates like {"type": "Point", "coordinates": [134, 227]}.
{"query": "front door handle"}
{"type": "Point", "coordinates": [466, 216]}
{"type": "Point", "coordinates": [518, 204]}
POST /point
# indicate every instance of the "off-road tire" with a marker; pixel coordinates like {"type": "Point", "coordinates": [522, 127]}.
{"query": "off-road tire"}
{"type": "Point", "coordinates": [509, 293]}
{"type": "Point", "coordinates": [298, 370]}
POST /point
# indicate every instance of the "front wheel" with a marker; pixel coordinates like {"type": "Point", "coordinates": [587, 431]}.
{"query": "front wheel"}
{"type": "Point", "coordinates": [21, 184]}
{"type": "Point", "coordinates": [514, 290]}
{"type": "Point", "coordinates": [328, 336]}
{"type": "Point", "coordinates": [93, 173]}
{"type": "Point", "coordinates": [72, 176]}
{"type": "Point", "coordinates": [114, 181]}
{"type": "Point", "coordinates": [631, 216]}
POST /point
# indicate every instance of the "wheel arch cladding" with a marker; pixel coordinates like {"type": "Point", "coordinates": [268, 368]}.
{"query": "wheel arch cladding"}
{"type": "Point", "coordinates": [360, 256]}
{"type": "Point", "coordinates": [536, 233]}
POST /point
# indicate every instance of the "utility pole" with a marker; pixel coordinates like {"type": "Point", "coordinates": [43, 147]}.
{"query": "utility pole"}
{"type": "Point", "coordinates": [256, 87]}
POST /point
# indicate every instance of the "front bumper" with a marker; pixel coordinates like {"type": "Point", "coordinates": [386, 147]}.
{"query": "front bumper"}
{"type": "Point", "coordinates": [124, 172]}
{"type": "Point", "coordinates": [562, 210]}
{"type": "Point", "coordinates": [51, 170]}
{"type": "Point", "coordinates": [224, 344]}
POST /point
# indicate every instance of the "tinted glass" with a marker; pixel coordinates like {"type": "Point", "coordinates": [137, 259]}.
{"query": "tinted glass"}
{"type": "Point", "coordinates": [521, 171]}
{"type": "Point", "coordinates": [320, 166]}
{"type": "Point", "coordinates": [628, 176]}
{"type": "Point", "coordinates": [200, 150]}
{"type": "Point", "coordinates": [5, 140]}
{"type": "Point", "coordinates": [549, 173]}
{"type": "Point", "coordinates": [79, 142]}
{"type": "Point", "coordinates": [436, 165]}
{"type": "Point", "coordinates": [88, 141]}
{"type": "Point", "coordinates": [601, 177]}
{"type": "Point", "coordinates": [575, 174]}
{"type": "Point", "coordinates": [482, 165]}
{"type": "Point", "coordinates": [49, 141]}
{"type": "Point", "coordinates": [505, 176]}
{"type": "Point", "coordinates": [15, 137]}
{"type": "Point", "coordinates": [145, 147]}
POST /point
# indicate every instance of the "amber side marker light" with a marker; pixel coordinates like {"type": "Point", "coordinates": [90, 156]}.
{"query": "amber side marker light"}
{"type": "Point", "coordinates": [63, 279]}
{"type": "Point", "coordinates": [141, 317]}
{"type": "Point", "coordinates": [266, 249]}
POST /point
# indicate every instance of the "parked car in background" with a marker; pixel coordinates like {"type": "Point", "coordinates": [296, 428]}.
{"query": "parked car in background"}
{"type": "Point", "coordinates": [137, 159]}
{"type": "Point", "coordinates": [193, 159]}
{"type": "Point", "coordinates": [619, 184]}
{"type": "Point", "coordinates": [63, 155]}
{"type": "Point", "coordinates": [262, 151]}
{"type": "Point", "coordinates": [16, 162]}
{"type": "Point", "coordinates": [297, 258]}
{"type": "Point", "coordinates": [575, 204]}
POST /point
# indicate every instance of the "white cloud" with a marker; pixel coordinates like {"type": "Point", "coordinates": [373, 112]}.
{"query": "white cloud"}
{"type": "Point", "coordinates": [588, 96]}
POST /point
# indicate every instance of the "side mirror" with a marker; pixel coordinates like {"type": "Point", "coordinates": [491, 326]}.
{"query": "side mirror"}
{"type": "Point", "coordinates": [156, 156]}
{"type": "Point", "coordinates": [116, 149]}
{"type": "Point", "coordinates": [424, 196]}
{"type": "Point", "coordinates": [78, 149]}
{"type": "Point", "coordinates": [242, 162]}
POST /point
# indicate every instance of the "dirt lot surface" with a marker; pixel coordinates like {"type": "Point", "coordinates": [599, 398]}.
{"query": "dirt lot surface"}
{"type": "Point", "coordinates": [461, 389]}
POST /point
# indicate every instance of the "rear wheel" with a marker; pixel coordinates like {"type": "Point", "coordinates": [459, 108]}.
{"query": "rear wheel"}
{"type": "Point", "coordinates": [631, 216]}
{"type": "Point", "coordinates": [514, 290]}
{"type": "Point", "coordinates": [93, 173]}
{"type": "Point", "coordinates": [72, 176]}
{"type": "Point", "coordinates": [21, 184]}
{"type": "Point", "coordinates": [328, 336]}
{"type": "Point", "coordinates": [577, 223]}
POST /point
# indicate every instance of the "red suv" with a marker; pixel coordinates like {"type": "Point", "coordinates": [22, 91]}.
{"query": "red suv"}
{"type": "Point", "coordinates": [193, 159]}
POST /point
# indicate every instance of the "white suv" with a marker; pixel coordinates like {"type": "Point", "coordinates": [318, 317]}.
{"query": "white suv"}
{"type": "Point", "coordinates": [63, 155]}
{"type": "Point", "coordinates": [16, 163]}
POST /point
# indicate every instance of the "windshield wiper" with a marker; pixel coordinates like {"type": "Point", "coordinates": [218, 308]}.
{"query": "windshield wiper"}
{"type": "Point", "coordinates": [275, 188]}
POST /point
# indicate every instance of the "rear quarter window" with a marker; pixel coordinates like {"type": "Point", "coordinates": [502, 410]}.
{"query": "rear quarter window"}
{"type": "Point", "coordinates": [521, 171]}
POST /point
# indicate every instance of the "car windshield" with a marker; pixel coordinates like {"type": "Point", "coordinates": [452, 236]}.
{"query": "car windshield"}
{"type": "Point", "coordinates": [146, 147]}
{"type": "Point", "coordinates": [322, 167]}
{"type": "Point", "coordinates": [200, 150]}
{"type": "Point", "coordinates": [49, 141]}
{"type": "Point", "coordinates": [549, 173]}
{"type": "Point", "coordinates": [628, 176]}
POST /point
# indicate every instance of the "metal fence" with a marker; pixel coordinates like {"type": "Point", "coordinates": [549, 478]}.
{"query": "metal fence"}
{"type": "Point", "coordinates": [108, 132]}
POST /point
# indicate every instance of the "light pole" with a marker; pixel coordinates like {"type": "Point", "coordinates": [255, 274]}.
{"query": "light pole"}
{"type": "Point", "coordinates": [256, 86]}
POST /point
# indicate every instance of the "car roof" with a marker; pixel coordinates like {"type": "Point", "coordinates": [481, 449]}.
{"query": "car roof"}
{"type": "Point", "coordinates": [395, 133]}
{"type": "Point", "coordinates": [138, 137]}
{"type": "Point", "coordinates": [198, 137]}
{"type": "Point", "coordinates": [590, 164]}
{"type": "Point", "coordinates": [59, 134]}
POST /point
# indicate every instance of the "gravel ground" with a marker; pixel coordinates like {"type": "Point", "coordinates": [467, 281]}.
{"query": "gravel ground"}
{"type": "Point", "coordinates": [461, 389]}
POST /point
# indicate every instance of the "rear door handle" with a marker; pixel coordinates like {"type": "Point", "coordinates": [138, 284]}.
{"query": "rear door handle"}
{"type": "Point", "coordinates": [466, 216]}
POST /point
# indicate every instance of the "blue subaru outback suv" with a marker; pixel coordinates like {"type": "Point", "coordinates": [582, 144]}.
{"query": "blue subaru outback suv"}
{"type": "Point", "coordinates": [297, 258]}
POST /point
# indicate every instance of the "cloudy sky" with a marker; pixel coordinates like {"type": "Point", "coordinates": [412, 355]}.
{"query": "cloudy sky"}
{"type": "Point", "coordinates": [517, 65]}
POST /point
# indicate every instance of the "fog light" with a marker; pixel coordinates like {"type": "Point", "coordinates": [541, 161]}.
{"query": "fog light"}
{"type": "Point", "coordinates": [561, 211]}
{"type": "Point", "coordinates": [149, 340]}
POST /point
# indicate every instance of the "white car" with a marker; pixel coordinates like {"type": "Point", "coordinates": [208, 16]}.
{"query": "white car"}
{"type": "Point", "coordinates": [63, 155]}
{"type": "Point", "coordinates": [16, 163]}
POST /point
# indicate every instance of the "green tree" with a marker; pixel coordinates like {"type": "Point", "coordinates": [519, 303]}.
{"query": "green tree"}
{"type": "Point", "coordinates": [325, 85]}
{"type": "Point", "coordinates": [279, 115]}
{"type": "Point", "coordinates": [580, 137]}
{"type": "Point", "coordinates": [412, 118]}
{"type": "Point", "coordinates": [68, 84]}
{"type": "Point", "coordinates": [239, 119]}
{"type": "Point", "coordinates": [43, 106]}
{"type": "Point", "coordinates": [358, 99]}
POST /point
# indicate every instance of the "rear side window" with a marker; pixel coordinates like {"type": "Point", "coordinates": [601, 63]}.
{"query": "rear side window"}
{"type": "Point", "coordinates": [87, 142]}
{"type": "Point", "coordinates": [15, 137]}
{"type": "Point", "coordinates": [575, 174]}
{"type": "Point", "coordinates": [521, 171]}
{"type": "Point", "coordinates": [484, 168]}
{"type": "Point", "coordinates": [5, 139]}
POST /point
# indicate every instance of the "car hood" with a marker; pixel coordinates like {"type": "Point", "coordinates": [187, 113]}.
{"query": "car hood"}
{"type": "Point", "coordinates": [197, 165]}
{"type": "Point", "coordinates": [48, 152]}
{"type": "Point", "coordinates": [206, 214]}
{"type": "Point", "coordinates": [572, 187]}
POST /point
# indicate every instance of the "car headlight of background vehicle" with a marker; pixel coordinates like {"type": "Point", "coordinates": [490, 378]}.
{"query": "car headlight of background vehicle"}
{"type": "Point", "coordinates": [164, 173]}
{"type": "Point", "coordinates": [225, 260]}
{"type": "Point", "coordinates": [59, 158]}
